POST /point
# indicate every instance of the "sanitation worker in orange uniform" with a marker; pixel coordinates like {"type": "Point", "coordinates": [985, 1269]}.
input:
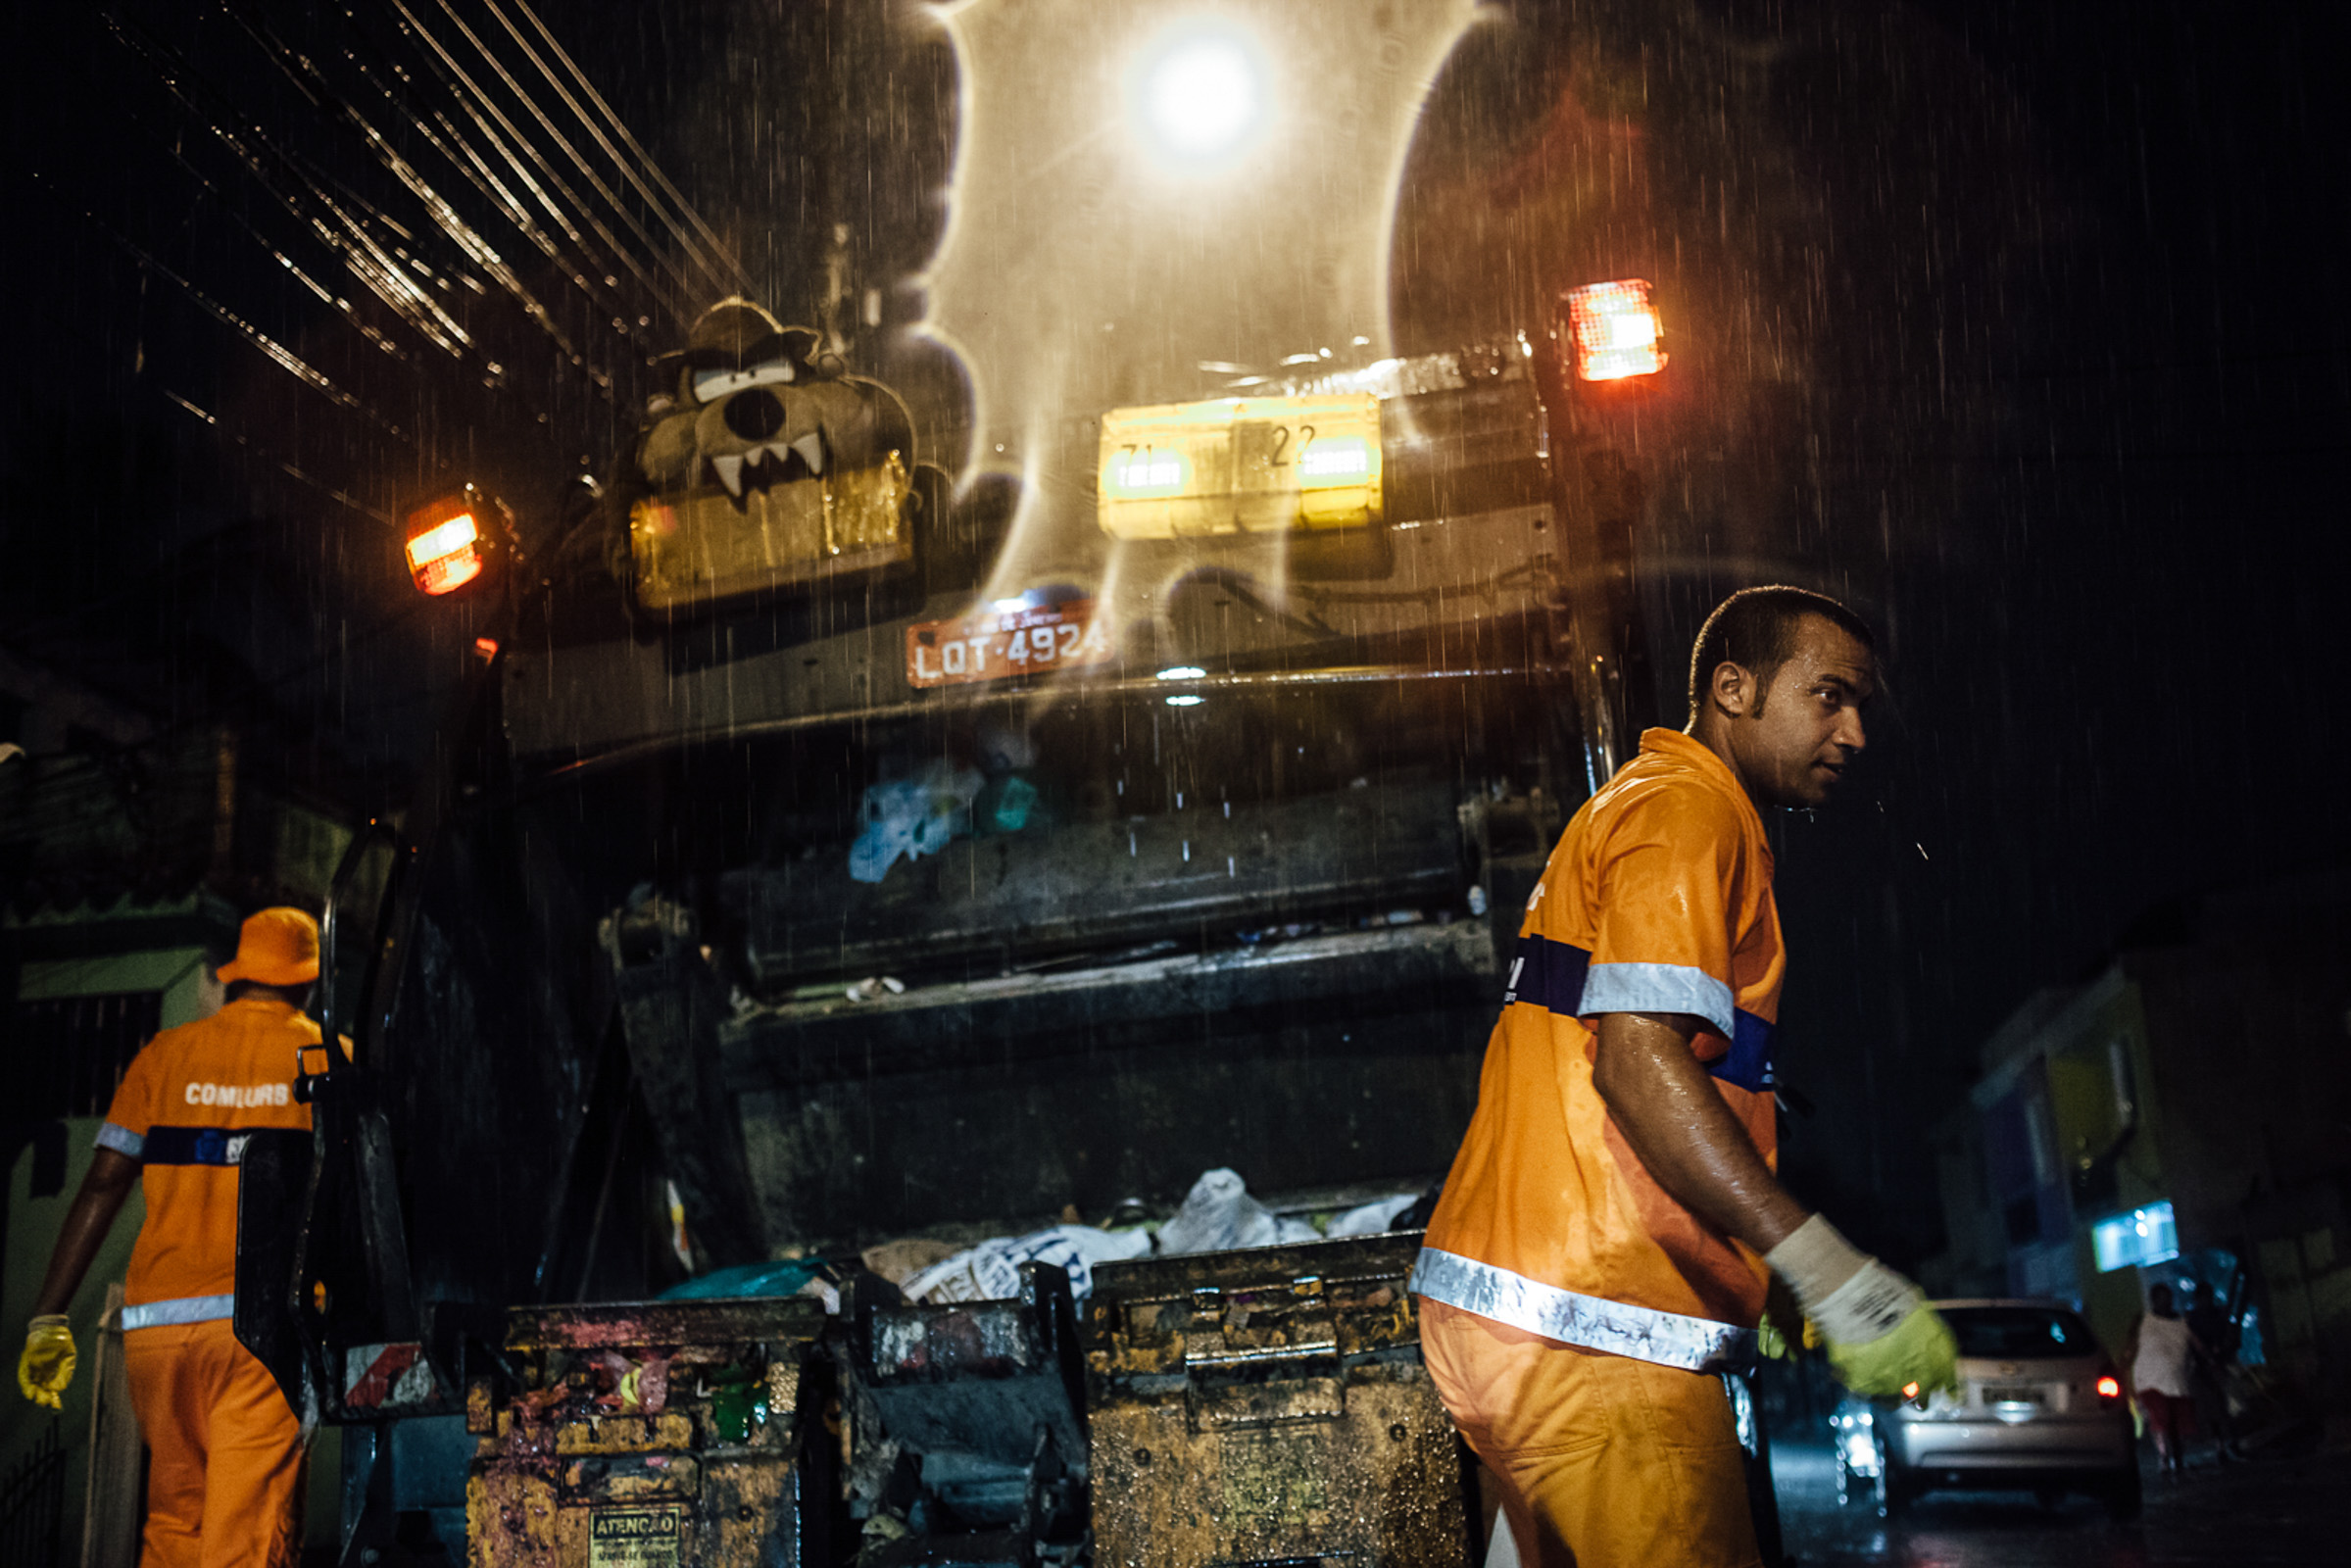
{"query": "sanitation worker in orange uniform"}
{"type": "Point", "coordinates": [1601, 1245]}
{"type": "Point", "coordinates": [224, 1451]}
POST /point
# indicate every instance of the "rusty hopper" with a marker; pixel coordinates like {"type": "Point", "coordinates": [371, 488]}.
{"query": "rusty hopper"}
{"type": "Point", "coordinates": [1269, 1406]}
{"type": "Point", "coordinates": [654, 1434]}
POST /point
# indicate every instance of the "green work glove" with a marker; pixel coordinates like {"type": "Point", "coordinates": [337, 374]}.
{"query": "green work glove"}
{"type": "Point", "coordinates": [1913, 1361]}
{"type": "Point", "coordinates": [47, 1364]}
{"type": "Point", "coordinates": [1770, 1342]}
{"type": "Point", "coordinates": [1882, 1338]}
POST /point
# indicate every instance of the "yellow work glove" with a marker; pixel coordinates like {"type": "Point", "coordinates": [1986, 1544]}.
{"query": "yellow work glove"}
{"type": "Point", "coordinates": [1770, 1342]}
{"type": "Point", "coordinates": [1913, 1361]}
{"type": "Point", "coordinates": [1882, 1338]}
{"type": "Point", "coordinates": [47, 1364]}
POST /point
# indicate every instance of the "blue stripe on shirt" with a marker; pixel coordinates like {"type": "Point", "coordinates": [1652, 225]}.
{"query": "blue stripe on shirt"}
{"type": "Point", "coordinates": [1561, 978]}
{"type": "Point", "coordinates": [196, 1146]}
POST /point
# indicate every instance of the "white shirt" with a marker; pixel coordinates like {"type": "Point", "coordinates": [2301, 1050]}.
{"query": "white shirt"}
{"type": "Point", "coordinates": [2163, 1355]}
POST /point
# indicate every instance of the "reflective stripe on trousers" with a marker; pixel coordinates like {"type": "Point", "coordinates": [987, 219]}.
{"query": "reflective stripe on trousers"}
{"type": "Point", "coordinates": [1643, 1333]}
{"type": "Point", "coordinates": [180, 1309]}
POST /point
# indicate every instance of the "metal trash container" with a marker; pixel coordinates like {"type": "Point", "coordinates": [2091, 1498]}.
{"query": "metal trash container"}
{"type": "Point", "coordinates": [1270, 1407]}
{"type": "Point", "coordinates": [650, 1435]}
{"type": "Point", "coordinates": [984, 1400]}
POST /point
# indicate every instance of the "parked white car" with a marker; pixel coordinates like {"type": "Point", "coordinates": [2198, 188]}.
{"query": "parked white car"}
{"type": "Point", "coordinates": [2039, 1408]}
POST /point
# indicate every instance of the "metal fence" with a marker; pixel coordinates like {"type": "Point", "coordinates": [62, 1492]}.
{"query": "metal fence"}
{"type": "Point", "coordinates": [32, 1504]}
{"type": "Point", "coordinates": [64, 1056]}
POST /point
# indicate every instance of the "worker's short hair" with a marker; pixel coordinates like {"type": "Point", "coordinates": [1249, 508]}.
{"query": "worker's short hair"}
{"type": "Point", "coordinates": [1756, 629]}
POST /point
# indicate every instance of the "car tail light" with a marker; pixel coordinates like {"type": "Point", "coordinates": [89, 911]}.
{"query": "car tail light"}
{"type": "Point", "coordinates": [1616, 332]}
{"type": "Point", "coordinates": [445, 544]}
{"type": "Point", "coordinates": [2110, 1388]}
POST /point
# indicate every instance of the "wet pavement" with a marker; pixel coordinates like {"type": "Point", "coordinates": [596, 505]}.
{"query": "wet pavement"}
{"type": "Point", "coordinates": [2244, 1516]}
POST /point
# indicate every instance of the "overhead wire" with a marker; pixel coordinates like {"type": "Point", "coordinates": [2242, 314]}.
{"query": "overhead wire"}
{"type": "Point", "coordinates": [372, 246]}
{"type": "Point", "coordinates": [733, 265]}
{"type": "Point", "coordinates": [729, 276]}
{"type": "Point", "coordinates": [375, 269]}
{"type": "Point", "coordinates": [285, 359]}
{"type": "Point", "coordinates": [454, 145]}
{"type": "Point", "coordinates": [299, 70]}
{"type": "Point", "coordinates": [293, 269]}
{"type": "Point", "coordinates": [547, 124]}
{"type": "Point", "coordinates": [671, 298]}
{"type": "Point", "coordinates": [283, 465]}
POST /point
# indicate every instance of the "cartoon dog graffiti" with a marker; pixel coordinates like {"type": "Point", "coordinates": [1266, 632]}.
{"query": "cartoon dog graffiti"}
{"type": "Point", "coordinates": [760, 469]}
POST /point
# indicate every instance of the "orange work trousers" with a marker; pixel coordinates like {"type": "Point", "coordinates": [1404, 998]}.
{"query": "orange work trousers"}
{"type": "Point", "coordinates": [1603, 1461]}
{"type": "Point", "coordinates": [224, 1464]}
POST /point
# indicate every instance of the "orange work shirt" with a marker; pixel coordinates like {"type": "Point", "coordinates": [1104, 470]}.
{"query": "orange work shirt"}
{"type": "Point", "coordinates": [182, 1111]}
{"type": "Point", "coordinates": [1658, 899]}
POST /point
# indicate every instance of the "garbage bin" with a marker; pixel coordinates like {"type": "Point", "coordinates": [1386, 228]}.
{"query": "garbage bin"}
{"type": "Point", "coordinates": [1270, 1407]}
{"type": "Point", "coordinates": [650, 1435]}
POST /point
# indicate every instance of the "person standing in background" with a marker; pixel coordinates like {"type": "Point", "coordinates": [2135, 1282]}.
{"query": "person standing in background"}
{"type": "Point", "coordinates": [2163, 1352]}
{"type": "Point", "coordinates": [226, 1450]}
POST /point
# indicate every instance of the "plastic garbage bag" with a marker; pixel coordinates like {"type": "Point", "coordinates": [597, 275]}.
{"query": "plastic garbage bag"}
{"type": "Point", "coordinates": [1372, 1218]}
{"type": "Point", "coordinates": [912, 817]}
{"type": "Point", "coordinates": [991, 1271]}
{"type": "Point", "coordinates": [1219, 1215]}
{"type": "Point", "coordinates": [788, 1277]}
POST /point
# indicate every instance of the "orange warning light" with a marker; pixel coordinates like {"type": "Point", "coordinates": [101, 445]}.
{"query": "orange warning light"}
{"type": "Point", "coordinates": [444, 544]}
{"type": "Point", "coordinates": [2110, 1387]}
{"type": "Point", "coordinates": [1616, 330]}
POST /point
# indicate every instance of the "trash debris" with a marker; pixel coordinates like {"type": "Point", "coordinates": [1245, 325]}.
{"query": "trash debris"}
{"type": "Point", "coordinates": [1370, 1220]}
{"type": "Point", "coordinates": [913, 817]}
{"type": "Point", "coordinates": [991, 1271]}
{"type": "Point", "coordinates": [874, 987]}
{"type": "Point", "coordinates": [1005, 807]}
{"type": "Point", "coordinates": [791, 1277]}
{"type": "Point", "coordinates": [900, 1260]}
{"type": "Point", "coordinates": [637, 1387]}
{"type": "Point", "coordinates": [1219, 1215]}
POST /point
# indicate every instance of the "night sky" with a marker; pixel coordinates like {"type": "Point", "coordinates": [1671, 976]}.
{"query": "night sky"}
{"type": "Point", "coordinates": [2083, 434]}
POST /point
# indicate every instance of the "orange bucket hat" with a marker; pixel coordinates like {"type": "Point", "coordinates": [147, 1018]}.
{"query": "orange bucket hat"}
{"type": "Point", "coordinates": [276, 948]}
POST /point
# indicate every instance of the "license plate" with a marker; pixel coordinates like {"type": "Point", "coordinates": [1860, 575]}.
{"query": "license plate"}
{"type": "Point", "coordinates": [997, 645]}
{"type": "Point", "coordinates": [2013, 1394]}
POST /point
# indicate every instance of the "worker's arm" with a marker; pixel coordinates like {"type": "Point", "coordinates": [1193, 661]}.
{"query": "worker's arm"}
{"type": "Point", "coordinates": [1662, 1100]}
{"type": "Point", "coordinates": [103, 1193]}
{"type": "Point", "coordinates": [46, 1367]}
{"type": "Point", "coordinates": [1882, 1337]}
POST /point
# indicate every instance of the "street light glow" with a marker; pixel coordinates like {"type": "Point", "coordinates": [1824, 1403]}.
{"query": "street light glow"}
{"type": "Point", "coordinates": [1199, 97]}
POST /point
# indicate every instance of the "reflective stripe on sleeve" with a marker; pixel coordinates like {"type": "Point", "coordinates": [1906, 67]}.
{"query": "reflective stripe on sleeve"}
{"type": "Point", "coordinates": [1658, 988]}
{"type": "Point", "coordinates": [122, 1140]}
{"type": "Point", "coordinates": [183, 1309]}
{"type": "Point", "coordinates": [1643, 1333]}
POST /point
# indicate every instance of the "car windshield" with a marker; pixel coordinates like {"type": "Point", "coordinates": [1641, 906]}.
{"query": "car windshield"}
{"type": "Point", "coordinates": [2016, 1332]}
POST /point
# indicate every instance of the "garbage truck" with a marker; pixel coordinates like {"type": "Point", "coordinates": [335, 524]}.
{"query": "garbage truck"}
{"type": "Point", "coordinates": [861, 833]}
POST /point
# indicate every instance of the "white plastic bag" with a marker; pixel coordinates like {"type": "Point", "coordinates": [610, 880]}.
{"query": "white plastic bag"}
{"type": "Point", "coordinates": [991, 1271]}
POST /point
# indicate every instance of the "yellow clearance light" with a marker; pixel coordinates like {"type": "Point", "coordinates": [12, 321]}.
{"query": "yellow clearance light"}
{"type": "Point", "coordinates": [444, 545]}
{"type": "Point", "coordinates": [1617, 333]}
{"type": "Point", "coordinates": [1239, 465]}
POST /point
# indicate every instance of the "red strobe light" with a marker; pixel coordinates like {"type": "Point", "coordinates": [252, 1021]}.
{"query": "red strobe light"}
{"type": "Point", "coordinates": [1616, 330]}
{"type": "Point", "coordinates": [2110, 1388]}
{"type": "Point", "coordinates": [445, 544]}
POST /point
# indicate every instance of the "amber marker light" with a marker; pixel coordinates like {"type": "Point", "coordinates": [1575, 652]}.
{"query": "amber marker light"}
{"type": "Point", "coordinates": [444, 545]}
{"type": "Point", "coordinates": [1616, 330]}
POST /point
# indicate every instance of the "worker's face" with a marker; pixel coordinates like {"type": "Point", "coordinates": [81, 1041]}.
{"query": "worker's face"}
{"type": "Point", "coordinates": [1795, 739]}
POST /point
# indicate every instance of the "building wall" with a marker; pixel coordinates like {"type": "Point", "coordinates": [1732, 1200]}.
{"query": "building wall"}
{"type": "Point", "coordinates": [2207, 1067]}
{"type": "Point", "coordinates": [2251, 1063]}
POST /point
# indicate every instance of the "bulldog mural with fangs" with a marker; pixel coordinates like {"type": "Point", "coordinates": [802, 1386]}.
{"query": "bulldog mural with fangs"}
{"type": "Point", "coordinates": [760, 469]}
